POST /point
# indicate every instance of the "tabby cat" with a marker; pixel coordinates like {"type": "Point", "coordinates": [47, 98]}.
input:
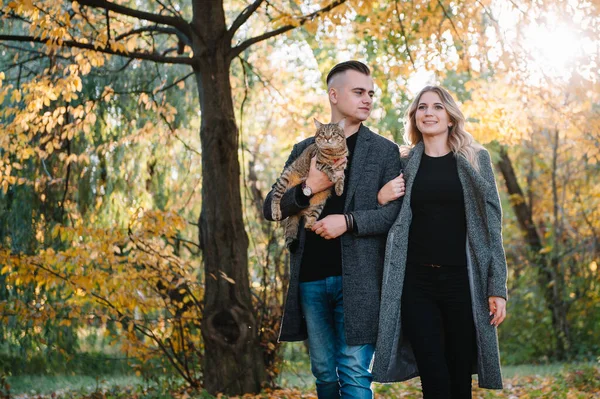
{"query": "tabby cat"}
{"type": "Point", "coordinates": [329, 147]}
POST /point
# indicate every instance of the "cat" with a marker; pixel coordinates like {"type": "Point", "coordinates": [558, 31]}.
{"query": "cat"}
{"type": "Point", "coordinates": [329, 147]}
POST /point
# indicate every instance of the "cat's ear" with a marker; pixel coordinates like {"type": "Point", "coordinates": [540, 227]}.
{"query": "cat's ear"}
{"type": "Point", "coordinates": [317, 123]}
{"type": "Point", "coordinates": [342, 123]}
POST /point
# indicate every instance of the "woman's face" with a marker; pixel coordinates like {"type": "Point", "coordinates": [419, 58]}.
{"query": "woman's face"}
{"type": "Point", "coordinates": [431, 116]}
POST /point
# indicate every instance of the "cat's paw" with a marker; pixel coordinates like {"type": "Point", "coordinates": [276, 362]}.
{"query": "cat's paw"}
{"type": "Point", "coordinates": [310, 222]}
{"type": "Point", "coordinates": [339, 188]}
{"type": "Point", "coordinates": [289, 241]}
{"type": "Point", "coordinates": [292, 244]}
{"type": "Point", "coordinates": [276, 213]}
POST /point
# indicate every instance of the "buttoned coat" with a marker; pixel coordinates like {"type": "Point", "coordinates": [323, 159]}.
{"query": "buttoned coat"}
{"type": "Point", "coordinates": [486, 263]}
{"type": "Point", "coordinates": [376, 160]}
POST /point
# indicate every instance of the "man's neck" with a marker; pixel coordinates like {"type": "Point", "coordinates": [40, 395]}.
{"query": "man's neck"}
{"type": "Point", "coordinates": [350, 128]}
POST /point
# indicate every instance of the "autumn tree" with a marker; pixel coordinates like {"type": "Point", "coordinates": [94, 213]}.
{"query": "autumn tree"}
{"type": "Point", "coordinates": [547, 157]}
{"type": "Point", "coordinates": [203, 42]}
{"type": "Point", "coordinates": [208, 44]}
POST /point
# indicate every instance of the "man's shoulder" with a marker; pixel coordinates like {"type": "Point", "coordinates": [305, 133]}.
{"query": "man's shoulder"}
{"type": "Point", "coordinates": [301, 145]}
{"type": "Point", "coordinates": [381, 141]}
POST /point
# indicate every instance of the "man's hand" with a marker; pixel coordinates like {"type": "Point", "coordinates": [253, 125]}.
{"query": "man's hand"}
{"type": "Point", "coordinates": [317, 180]}
{"type": "Point", "coordinates": [498, 309]}
{"type": "Point", "coordinates": [393, 189]}
{"type": "Point", "coordinates": [330, 227]}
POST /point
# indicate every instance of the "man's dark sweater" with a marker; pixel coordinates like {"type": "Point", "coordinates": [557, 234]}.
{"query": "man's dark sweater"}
{"type": "Point", "coordinates": [323, 258]}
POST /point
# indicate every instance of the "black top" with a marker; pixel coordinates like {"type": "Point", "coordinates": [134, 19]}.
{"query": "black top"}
{"type": "Point", "coordinates": [438, 230]}
{"type": "Point", "coordinates": [323, 258]}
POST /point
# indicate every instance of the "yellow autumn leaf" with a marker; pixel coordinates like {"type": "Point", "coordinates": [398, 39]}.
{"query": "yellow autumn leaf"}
{"type": "Point", "coordinates": [131, 44]}
{"type": "Point", "coordinates": [15, 96]}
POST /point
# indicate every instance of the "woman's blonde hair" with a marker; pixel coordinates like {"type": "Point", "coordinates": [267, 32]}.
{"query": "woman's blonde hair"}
{"type": "Point", "coordinates": [460, 141]}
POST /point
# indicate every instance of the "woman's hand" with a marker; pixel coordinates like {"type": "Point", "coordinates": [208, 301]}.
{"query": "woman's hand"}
{"type": "Point", "coordinates": [393, 189]}
{"type": "Point", "coordinates": [498, 309]}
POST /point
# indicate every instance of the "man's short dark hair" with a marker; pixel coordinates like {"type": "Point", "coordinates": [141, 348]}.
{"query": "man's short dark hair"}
{"type": "Point", "coordinates": [347, 65]}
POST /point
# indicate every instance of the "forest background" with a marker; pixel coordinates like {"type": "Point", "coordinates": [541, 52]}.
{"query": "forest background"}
{"type": "Point", "coordinates": [139, 139]}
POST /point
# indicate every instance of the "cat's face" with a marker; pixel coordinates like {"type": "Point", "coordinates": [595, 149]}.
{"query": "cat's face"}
{"type": "Point", "coordinates": [329, 135]}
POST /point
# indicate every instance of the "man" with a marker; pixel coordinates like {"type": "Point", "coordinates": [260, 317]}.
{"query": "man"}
{"type": "Point", "coordinates": [336, 269]}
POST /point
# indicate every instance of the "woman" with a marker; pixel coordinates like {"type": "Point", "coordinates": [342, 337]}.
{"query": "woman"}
{"type": "Point", "coordinates": [444, 281]}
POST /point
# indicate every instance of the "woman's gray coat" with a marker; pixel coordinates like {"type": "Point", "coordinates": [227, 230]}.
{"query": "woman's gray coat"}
{"type": "Point", "coordinates": [486, 262]}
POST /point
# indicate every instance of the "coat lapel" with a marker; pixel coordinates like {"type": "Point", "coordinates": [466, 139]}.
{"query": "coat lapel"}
{"type": "Point", "coordinates": [359, 158]}
{"type": "Point", "coordinates": [412, 166]}
{"type": "Point", "coordinates": [410, 172]}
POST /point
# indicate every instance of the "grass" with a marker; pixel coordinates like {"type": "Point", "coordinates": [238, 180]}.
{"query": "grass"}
{"type": "Point", "coordinates": [555, 380]}
{"type": "Point", "coordinates": [44, 385]}
{"type": "Point", "coordinates": [533, 369]}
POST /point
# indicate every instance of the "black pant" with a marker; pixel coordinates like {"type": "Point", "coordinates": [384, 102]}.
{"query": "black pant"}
{"type": "Point", "coordinates": [437, 319]}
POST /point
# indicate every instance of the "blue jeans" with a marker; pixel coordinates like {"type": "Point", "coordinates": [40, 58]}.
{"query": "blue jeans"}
{"type": "Point", "coordinates": [340, 369]}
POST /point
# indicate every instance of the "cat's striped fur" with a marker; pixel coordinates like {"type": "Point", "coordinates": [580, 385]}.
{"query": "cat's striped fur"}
{"type": "Point", "coordinates": [329, 147]}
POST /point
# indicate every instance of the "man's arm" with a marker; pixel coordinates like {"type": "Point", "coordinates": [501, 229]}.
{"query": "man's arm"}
{"type": "Point", "coordinates": [380, 220]}
{"type": "Point", "coordinates": [293, 201]}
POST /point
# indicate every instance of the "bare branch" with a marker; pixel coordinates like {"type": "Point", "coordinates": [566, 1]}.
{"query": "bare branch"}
{"type": "Point", "coordinates": [87, 46]}
{"type": "Point", "coordinates": [176, 22]}
{"type": "Point", "coordinates": [451, 22]}
{"type": "Point", "coordinates": [18, 64]}
{"type": "Point", "coordinates": [85, 17]}
{"type": "Point", "coordinates": [301, 21]}
{"type": "Point", "coordinates": [169, 50]}
{"type": "Point", "coordinates": [403, 32]}
{"type": "Point", "coordinates": [160, 29]}
{"type": "Point", "coordinates": [12, 15]}
{"type": "Point", "coordinates": [107, 25]}
{"type": "Point", "coordinates": [243, 17]}
{"type": "Point", "coordinates": [172, 9]}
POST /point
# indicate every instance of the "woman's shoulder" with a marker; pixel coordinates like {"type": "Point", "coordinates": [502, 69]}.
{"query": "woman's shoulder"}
{"type": "Point", "coordinates": [482, 153]}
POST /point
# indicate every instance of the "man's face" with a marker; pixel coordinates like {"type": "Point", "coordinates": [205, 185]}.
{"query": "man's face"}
{"type": "Point", "coordinates": [351, 94]}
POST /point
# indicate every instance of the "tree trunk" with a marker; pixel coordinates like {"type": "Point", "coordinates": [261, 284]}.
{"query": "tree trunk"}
{"type": "Point", "coordinates": [549, 278]}
{"type": "Point", "coordinates": [560, 307]}
{"type": "Point", "coordinates": [233, 362]}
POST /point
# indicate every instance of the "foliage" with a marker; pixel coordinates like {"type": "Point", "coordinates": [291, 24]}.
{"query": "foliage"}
{"type": "Point", "coordinates": [573, 381]}
{"type": "Point", "coordinates": [129, 283]}
{"type": "Point", "coordinates": [102, 181]}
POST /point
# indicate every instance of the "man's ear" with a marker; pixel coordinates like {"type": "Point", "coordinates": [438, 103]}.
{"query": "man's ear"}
{"type": "Point", "coordinates": [333, 95]}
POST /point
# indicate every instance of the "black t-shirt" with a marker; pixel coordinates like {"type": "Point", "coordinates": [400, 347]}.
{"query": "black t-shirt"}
{"type": "Point", "coordinates": [438, 229]}
{"type": "Point", "coordinates": [323, 258]}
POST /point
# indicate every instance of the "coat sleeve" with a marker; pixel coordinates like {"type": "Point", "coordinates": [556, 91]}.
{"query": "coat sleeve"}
{"type": "Point", "coordinates": [380, 220]}
{"type": "Point", "coordinates": [291, 202]}
{"type": "Point", "coordinates": [497, 274]}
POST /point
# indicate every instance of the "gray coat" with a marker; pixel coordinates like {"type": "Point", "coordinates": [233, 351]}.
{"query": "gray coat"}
{"type": "Point", "coordinates": [375, 161]}
{"type": "Point", "coordinates": [486, 262]}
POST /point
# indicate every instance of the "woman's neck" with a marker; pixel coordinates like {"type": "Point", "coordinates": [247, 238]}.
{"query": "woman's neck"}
{"type": "Point", "coordinates": [436, 146]}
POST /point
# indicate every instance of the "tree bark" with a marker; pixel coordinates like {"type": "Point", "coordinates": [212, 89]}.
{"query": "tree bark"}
{"type": "Point", "coordinates": [549, 276]}
{"type": "Point", "coordinates": [233, 361]}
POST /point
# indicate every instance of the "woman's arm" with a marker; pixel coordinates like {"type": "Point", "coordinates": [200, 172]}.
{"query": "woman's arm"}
{"type": "Point", "coordinates": [392, 190]}
{"type": "Point", "coordinates": [497, 274]}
